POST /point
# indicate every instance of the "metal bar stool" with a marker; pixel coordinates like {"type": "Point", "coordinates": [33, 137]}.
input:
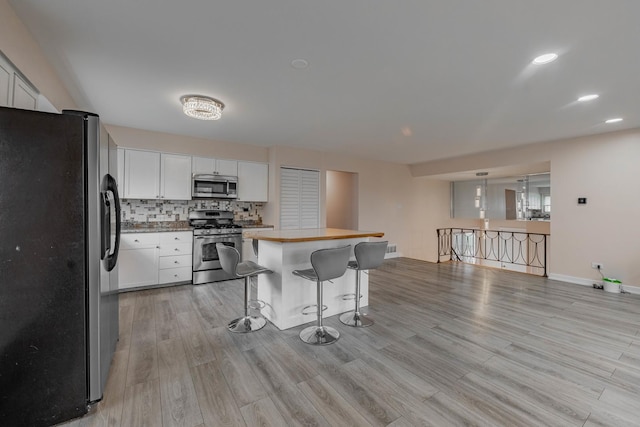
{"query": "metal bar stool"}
{"type": "Point", "coordinates": [369, 255]}
{"type": "Point", "coordinates": [327, 264]}
{"type": "Point", "coordinates": [229, 260]}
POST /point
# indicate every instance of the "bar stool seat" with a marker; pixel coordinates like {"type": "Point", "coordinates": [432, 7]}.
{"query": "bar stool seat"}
{"type": "Point", "coordinates": [326, 264]}
{"type": "Point", "coordinates": [369, 255]}
{"type": "Point", "coordinates": [229, 260]}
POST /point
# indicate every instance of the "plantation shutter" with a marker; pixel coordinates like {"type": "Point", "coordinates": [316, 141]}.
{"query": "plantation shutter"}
{"type": "Point", "coordinates": [299, 199]}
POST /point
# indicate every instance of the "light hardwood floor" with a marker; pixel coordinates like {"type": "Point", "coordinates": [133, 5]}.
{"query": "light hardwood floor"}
{"type": "Point", "coordinates": [453, 344]}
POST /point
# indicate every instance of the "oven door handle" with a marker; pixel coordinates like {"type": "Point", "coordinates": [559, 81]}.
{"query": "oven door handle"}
{"type": "Point", "coordinates": [216, 237]}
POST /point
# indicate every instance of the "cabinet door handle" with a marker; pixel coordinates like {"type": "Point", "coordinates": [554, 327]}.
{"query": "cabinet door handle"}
{"type": "Point", "coordinates": [176, 238]}
{"type": "Point", "coordinates": [137, 241]}
{"type": "Point", "coordinates": [157, 247]}
{"type": "Point", "coordinates": [176, 262]}
{"type": "Point", "coordinates": [177, 250]}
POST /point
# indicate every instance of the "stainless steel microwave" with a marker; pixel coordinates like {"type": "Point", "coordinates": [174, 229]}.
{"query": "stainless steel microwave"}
{"type": "Point", "coordinates": [207, 186]}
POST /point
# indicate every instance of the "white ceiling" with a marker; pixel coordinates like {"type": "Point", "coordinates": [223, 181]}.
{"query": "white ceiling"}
{"type": "Point", "coordinates": [457, 73]}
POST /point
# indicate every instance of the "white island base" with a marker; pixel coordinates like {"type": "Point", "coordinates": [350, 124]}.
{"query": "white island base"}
{"type": "Point", "coordinates": [285, 295]}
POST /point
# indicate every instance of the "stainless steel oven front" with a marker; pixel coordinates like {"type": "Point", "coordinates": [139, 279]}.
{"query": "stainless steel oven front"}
{"type": "Point", "coordinates": [206, 262]}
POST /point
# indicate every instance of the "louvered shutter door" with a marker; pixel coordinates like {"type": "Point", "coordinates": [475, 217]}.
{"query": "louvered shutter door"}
{"type": "Point", "coordinates": [299, 199]}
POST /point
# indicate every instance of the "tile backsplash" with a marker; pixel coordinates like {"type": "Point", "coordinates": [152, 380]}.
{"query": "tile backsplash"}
{"type": "Point", "coordinates": [178, 210]}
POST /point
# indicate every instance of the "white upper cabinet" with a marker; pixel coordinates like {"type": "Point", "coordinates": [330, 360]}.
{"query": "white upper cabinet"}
{"type": "Point", "coordinates": [6, 75]}
{"type": "Point", "coordinates": [175, 177]}
{"type": "Point", "coordinates": [203, 165]}
{"type": "Point", "coordinates": [253, 182]}
{"type": "Point", "coordinates": [227, 167]}
{"type": "Point", "coordinates": [14, 90]}
{"type": "Point", "coordinates": [212, 166]}
{"type": "Point", "coordinates": [23, 95]}
{"type": "Point", "coordinates": [141, 174]}
{"type": "Point", "coordinates": [152, 175]}
{"type": "Point", "coordinates": [120, 177]}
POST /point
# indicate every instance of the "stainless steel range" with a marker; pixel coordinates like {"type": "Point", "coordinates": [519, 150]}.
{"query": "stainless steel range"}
{"type": "Point", "coordinates": [211, 227]}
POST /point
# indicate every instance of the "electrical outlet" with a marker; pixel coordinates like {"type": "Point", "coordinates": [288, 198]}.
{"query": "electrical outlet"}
{"type": "Point", "coordinates": [597, 265]}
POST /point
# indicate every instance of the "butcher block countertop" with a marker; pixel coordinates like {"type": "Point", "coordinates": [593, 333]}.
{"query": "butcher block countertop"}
{"type": "Point", "coordinates": [309, 235]}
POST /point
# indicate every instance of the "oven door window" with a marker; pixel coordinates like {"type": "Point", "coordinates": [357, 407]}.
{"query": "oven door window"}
{"type": "Point", "coordinates": [210, 253]}
{"type": "Point", "coordinates": [210, 187]}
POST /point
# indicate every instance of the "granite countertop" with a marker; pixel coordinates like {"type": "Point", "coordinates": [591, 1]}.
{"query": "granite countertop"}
{"type": "Point", "coordinates": [253, 225]}
{"type": "Point", "coordinates": [155, 227]}
{"type": "Point", "coordinates": [166, 226]}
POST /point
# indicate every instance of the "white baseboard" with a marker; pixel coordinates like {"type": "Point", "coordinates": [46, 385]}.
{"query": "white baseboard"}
{"type": "Point", "coordinates": [572, 279]}
{"type": "Point", "coordinates": [393, 255]}
{"type": "Point", "coordinates": [589, 282]}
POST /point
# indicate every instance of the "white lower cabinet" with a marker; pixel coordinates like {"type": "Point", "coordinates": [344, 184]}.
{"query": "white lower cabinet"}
{"type": "Point", "coordinates": [174, 257]}
{"type": "Point", "coordinates": [137, 267]}
{"type": "Point", "coordinates": [148, 259]}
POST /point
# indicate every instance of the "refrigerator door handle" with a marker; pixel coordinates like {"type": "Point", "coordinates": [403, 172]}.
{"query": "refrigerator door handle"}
{"type": "Point", "coordinates": [105, 229]}
{"type": "Point", "coordinates": [111, 259]}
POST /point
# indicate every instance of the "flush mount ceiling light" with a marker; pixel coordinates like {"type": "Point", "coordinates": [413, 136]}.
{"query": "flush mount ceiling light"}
{"type": "Point", "coordinates": [300, 64]}
{"type": "Point", "coordinates": [545, 59]}
{"type": "Point", "coordinates": [202, 107]}
{"type": "Point", "coordinates": [588, 97]}
{"type": "Point", "coordinates": [616, 120]}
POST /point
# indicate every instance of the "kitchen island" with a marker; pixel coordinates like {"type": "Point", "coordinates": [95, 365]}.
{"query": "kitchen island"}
{"type": "Point", "coordinates": [284, 294]}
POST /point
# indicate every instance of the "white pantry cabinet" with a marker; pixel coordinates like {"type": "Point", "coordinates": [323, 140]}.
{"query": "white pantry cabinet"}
{"type": "Point", "coordinates": [208, 165]}
{"type": "Point", "coordinates": [153, 175]}
{"type": "Point", "coordinates": [148, 259]}
{"type": "Point", "coordinates": [253, 182]}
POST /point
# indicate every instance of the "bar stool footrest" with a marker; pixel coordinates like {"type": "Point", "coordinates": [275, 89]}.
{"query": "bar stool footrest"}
{"type": "Point", "coordinates": [306, 313]}
{"type": "Point", "coordinates": [349, 297]}
{"type": "Point", "coordinates": [256, 304]}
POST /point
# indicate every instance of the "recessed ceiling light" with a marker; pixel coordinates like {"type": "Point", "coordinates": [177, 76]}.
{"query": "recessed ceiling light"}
{"type": "Point", "coordinates": [616, 120]}
{"type": "Point", "coordinates": [545, 59]}
{"type": "Point", "coordinates": [588, 97]}
{"type": "Point", "coordinates": [300, 64]}
{"type": "Point", "coordinates": [406, 131]}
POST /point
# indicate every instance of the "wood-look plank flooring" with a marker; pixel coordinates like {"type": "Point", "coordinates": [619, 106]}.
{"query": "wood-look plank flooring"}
{"type": "Point", "coordinates": [453, 344]}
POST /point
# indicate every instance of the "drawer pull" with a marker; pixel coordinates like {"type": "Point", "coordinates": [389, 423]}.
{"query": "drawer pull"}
{"type": "Point", "coordinates": [177, 250]}
{"type": "Point", "coordinates": [175, 275]}
{"type": "Point", "coordinates": [176, 262]}
{"type": "Point", "coordinates": [137, 241]}
{"type": "Point", "coordinates": [176, 238]}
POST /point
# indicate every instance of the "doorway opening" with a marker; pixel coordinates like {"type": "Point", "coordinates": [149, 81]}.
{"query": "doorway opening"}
{"type": "Point", "coordinates": [342, 200]}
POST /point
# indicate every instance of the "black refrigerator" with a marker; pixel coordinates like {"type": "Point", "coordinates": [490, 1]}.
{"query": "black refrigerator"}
{"type": "Point", "coordinates": [59, 239]}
